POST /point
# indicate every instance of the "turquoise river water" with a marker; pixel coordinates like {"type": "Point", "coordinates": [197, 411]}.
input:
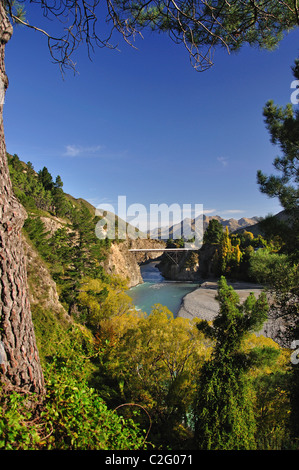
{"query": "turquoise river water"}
{"type": "Point", "coordinates": [157, 290]}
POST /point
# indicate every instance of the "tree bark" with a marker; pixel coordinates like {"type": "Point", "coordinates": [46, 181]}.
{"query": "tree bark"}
{"type": "Point", "coordinates": [20, 366]}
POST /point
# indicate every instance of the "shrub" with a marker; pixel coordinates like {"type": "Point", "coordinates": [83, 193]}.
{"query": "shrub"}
{"type": "Point", "coordinates": [72, 416]}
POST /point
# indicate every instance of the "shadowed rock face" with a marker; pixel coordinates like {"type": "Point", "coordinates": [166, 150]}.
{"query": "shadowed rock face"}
{"type": "Point", "coordinates": [189, 266]}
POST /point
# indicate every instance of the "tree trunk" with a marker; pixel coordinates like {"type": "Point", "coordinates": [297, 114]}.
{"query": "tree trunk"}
{"type": "Point", "coordinates": [19, 359]}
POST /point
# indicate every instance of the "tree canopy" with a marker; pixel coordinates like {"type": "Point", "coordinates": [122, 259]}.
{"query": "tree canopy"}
{"type": "Point", "coordinates": [214, 232]}
{"type": "Point", "coordinates": [201, 26]}
{"type": "Point", "coordinates": [283, 126]}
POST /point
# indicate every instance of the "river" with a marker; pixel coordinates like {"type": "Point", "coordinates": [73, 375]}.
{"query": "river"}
{"type": "Point", "coordinates": [157, 290]}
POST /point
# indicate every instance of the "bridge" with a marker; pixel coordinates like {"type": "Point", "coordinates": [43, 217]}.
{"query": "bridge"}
{"type": "Point", "coordinates": [164, 250]}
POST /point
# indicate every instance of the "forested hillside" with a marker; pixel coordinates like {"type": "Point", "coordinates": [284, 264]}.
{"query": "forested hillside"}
{"type": "Point", "coordinates": [118, 379]}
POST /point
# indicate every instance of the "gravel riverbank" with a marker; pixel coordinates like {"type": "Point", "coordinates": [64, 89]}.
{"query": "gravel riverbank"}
{"type": "Point", "coordinates": [201, 303]}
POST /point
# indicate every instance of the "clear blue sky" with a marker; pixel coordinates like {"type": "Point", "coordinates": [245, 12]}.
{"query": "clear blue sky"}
{"type": "Point", "coordinates": [142, 123]}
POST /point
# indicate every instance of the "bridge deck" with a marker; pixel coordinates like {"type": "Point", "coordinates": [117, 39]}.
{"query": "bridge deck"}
{"type": "Point", "coordinates": [164, 249]}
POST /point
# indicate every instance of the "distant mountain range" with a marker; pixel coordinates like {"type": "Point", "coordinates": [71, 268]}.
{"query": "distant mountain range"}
{"type": "Point", "coordinates": [186, 228]}
{"type": "Point", "coordinates": [183, 229]}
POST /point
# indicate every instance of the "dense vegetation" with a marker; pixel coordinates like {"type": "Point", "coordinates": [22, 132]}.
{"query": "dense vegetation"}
{"type": "Point", "coordinates": [118, 379]}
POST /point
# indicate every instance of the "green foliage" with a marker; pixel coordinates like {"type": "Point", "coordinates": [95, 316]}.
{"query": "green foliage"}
{"type": "Point", "coordinates": [224, 407]}
{"type": "Point", "coordinates": [272, 410]}
{"type": "Point", "coordinates": [283, 126]}
{"type": "Point", "coordinates": [177, 243]}
{"type": "Point", "coordinates": [46, 179]}
{"type": "Point", "coordinates": [193, 23]}
{"type": "Point", "coordinates": [72, 416]}
{"type": "Point", "coordinates": [281, 272]}
{"type": "Point", "coordinates": [35, 229]}
{"type": "Point", "coordinates": [234, 251]}
{"type": "Point", "coordinates": [102, 299]}
{"type": "Point", "coordinates": [280, 234]}
{"type": "Point", "coordinates": [73, 251]}
{"type": "Point", "coordinates": [16, 8]}
{"type": "Point", "coordinates": [37, 191]}
{"type": "Point", "coordinates": [159, 363]}
{"type": "Point", "coordinates": [56, 334]}
{"type": "Point", "coordinates": [60, 202]}
{"type": "Point", "coordinates": [214, 232]}
{"type": "Point", "coordinates": [228, 257]}
{"type": "Point", "coordinates": [152, 360]}
{"type": "Point", "coordinates": [281, 276]}
{"type": "Point", "coordinates": [89, 251]}
{"type": "Point", "coordinates": [76, 417]}
{"type": "Point", "coordinates": [16, 428]}
{"type": "Point", "coordinates": [27, 187]}
{"type": "Point", "coordinates": [272, 269]}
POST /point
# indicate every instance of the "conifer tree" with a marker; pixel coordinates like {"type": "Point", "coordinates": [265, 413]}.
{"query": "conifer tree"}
{"type": "Point", "coordinates": [224, 417]}
{"type": "Point", "coordinates": [214, 232]}
{"type": "Point", "coordinates": [59, 197]}
{"type": "Point", "coordinates": [283, 126]}
{"type": "Point", "coordinates": [46, 179]}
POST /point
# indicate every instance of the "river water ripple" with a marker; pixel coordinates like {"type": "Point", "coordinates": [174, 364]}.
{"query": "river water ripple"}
{"type": "Point", "coordinates": [157, 290]}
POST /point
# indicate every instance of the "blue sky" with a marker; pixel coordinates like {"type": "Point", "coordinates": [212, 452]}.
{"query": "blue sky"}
{"type": "Point", "coordinates": [142, 123]}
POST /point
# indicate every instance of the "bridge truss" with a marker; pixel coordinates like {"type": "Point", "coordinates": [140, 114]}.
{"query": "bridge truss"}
{"type": "Point", "coordinates": [167, 251]}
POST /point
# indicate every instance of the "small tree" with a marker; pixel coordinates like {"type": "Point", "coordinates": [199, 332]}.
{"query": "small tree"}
{"type": "Point", "coordinates": [59, 199]}
{"type": "Point", "coordinates": [225, 252]}
{"type": "Point", "coordinates": [46, 179]}
{"type": "Point", "coordinates": [224, 416]}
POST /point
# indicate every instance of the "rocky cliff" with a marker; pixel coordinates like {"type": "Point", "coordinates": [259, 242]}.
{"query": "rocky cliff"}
{"type": "Point", "coordinates": [188, 266]}
{"type": "Point", "coordinates": [119, 260]}
{"type": "Point", "coordinates": [42, 288]}
{"type": "Point", "coordinates": [125, 263]}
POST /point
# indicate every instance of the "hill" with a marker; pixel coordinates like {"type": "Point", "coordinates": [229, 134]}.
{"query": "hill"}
{"type": "Point", "coordinates": [68, 235]}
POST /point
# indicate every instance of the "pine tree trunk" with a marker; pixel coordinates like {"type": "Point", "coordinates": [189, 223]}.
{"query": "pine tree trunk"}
{"type": "Point", "coordinates": [19, 360]}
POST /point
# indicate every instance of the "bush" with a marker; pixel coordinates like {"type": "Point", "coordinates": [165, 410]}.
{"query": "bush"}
{"type": "Point", "coordinates": [72, 416]}
{"type": "Point", "coordinates": [76, 417]}
{"type": "Point", "coordinates": [17, 429]}
{"type": "Point", "coordinates": [271, 268]}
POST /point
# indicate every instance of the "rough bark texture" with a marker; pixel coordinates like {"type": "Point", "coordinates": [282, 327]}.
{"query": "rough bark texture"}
{"type": "Point", "coordinates": [20, 365]}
